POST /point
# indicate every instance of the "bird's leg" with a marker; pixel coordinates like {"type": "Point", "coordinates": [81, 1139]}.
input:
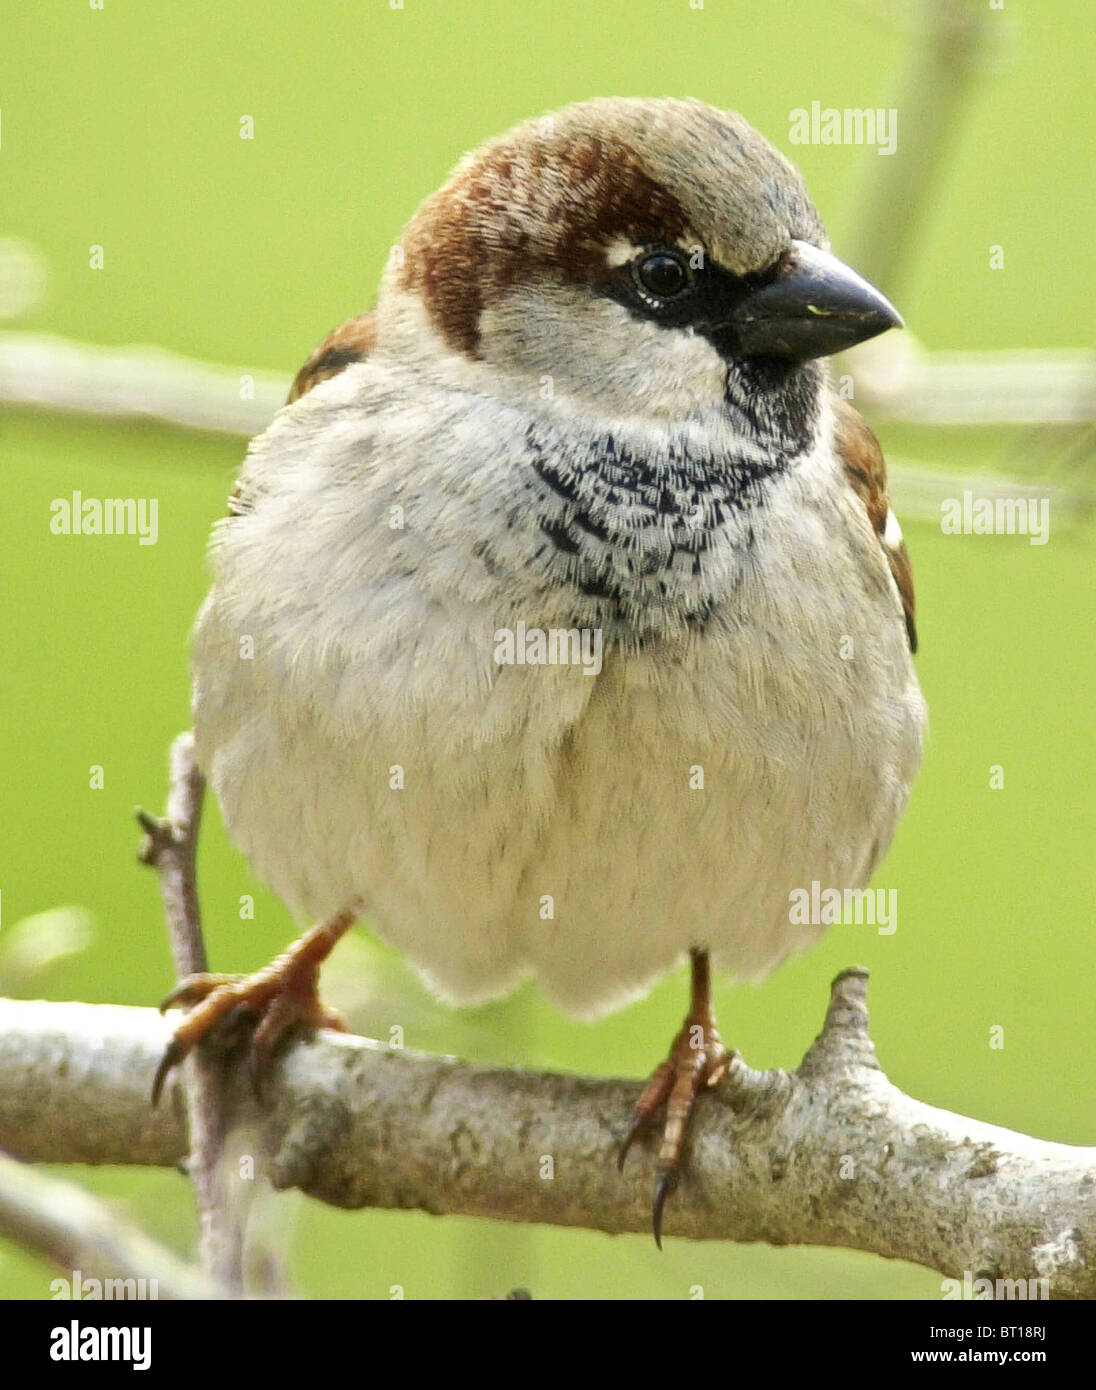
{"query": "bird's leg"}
{"type": "Point", "coordinates": [697, 1059]}
{"type": "Point", "coordinates": [281, 994]}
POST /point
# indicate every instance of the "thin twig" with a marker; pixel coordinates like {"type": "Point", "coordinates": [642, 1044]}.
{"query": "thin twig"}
{"type": "Point", "coordinates": [88, 1239]}
{"type": "Point", "coordinates": [170, 847]}
{"type": "Point", "coordinates": [951, 37]}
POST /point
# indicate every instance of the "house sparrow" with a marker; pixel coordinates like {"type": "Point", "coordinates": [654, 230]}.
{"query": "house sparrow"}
{"type": "Point", "coordinates": [587, 405]}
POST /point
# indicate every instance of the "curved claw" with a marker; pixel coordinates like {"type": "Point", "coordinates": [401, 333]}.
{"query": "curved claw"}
{"type": "Point", "coordinates": [664, 1185]}
{"type": "Point", "coordinates": [173, 1055]}
{"type": "Point", "coordinates": [629, 1139]}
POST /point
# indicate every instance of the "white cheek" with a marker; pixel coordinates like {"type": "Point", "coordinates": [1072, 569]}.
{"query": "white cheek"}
{"type": "Point", "coordinates": [892, 535]}
{"type": "Point", "coordinates": [592, 350]}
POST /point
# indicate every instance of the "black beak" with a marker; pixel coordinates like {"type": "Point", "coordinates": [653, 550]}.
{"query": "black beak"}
{"type": "Point", "coordinates": [815, 306]}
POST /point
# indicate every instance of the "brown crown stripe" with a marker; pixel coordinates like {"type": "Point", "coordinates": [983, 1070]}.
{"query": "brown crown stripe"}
{"type": "Point", "coordinates": [520, 204]}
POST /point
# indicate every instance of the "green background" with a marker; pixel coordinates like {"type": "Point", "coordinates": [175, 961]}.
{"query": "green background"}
{"type": "Point", "coordinates": [120, 127]}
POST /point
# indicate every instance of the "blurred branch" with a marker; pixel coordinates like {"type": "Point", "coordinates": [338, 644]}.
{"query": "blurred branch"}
{"type": "Point", "coordinates": [897, 378]}
{"type": "Point", "coordinates": [170, 847]}
{"type": "Point", "coordinates": [44, 369]}
{"type": "Point", "coordinates": [78, 1232]}
{"type": "Point", "coordinates": [1035, 386]}
{"type": "Point", "coordinates": [948, 40]}
{"type": "Point", "coordinates": [894, 377]}
{"type": "Point", "coordinates": [832, 1154]}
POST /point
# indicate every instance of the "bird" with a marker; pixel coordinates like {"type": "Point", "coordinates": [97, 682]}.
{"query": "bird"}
{"type": "Point", "coordinates": [560, 627]}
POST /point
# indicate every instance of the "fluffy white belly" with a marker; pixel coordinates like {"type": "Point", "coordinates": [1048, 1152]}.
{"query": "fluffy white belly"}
{"type": "Point", "coordinates": [496, 822]}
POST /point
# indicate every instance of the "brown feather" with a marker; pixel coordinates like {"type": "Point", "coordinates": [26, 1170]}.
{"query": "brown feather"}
{"type": "Point", "coordinates": [501, 199]}
{"type": "Point", "coordinates": [351, 342]}
{"type": "Point", "coordinates": [866, 470]}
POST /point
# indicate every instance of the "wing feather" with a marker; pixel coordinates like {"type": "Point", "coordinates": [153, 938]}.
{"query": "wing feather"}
{"type": "Point", "coordinates": [866, 470]}
{"type": "Point", "coordinates": [351, 342]}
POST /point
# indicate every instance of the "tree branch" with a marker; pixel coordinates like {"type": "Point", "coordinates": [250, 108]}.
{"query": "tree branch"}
{"type": "Point", "coordinates": [170, 847]}
{"type": "Point", "coordinates": [950, 40]}
{"type": "Point", "coordinates": [79, 1232]}
{"type": "Point", "coordinates": [831, 1154]}
{"type": "Point", "coordinates": [1003, 386]}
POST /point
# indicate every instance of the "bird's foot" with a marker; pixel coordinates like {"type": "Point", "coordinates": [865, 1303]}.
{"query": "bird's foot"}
{"type": "Point", "coordinates": [280, 995]}
{"type": "Point", "coordinates": [697, 1060]}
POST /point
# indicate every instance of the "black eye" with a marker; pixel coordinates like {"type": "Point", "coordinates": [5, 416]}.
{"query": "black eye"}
{"type": "Point", "coordinates": [662, 274]}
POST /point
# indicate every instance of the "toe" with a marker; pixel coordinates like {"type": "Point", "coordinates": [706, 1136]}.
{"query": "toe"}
{"type": "Point", "coordinates": [194, 988]}
{"type": "Point", "coordinates": [675, 1086]}
{"type": "Point", "coordinates": [319, 1015]}
{"type": "Point", "coordinates": [717, 1071]}
{"type": "Point", "coordinates": [651, 1099]}
{"type": "Point", "coordinates": [281, 1013]}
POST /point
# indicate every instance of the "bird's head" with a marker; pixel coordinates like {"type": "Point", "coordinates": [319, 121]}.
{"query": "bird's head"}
{"type": "Point", "coordinates": [637, 258]}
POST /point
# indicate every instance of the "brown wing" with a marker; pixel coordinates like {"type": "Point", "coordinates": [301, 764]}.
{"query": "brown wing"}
{"type": "Point", "coordinates": [866, 470]}
{"type": "Point", "coordinates": [352, 342]}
